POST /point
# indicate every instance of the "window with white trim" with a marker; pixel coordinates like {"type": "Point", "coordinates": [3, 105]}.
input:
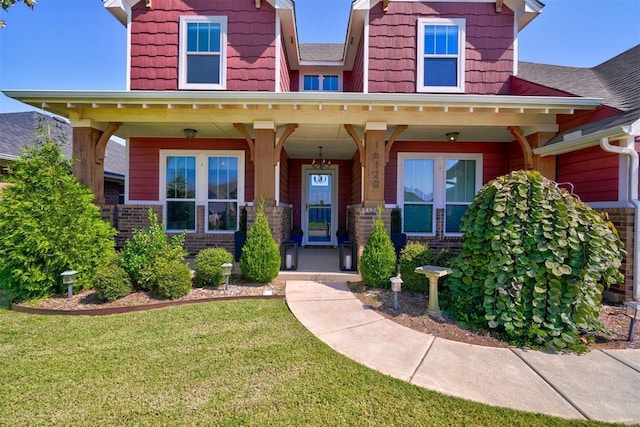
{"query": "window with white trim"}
{"type": "Point", "coordinates": [441, 55]}
{"type": "Point", "coordinates": [320, 82]}
{"type": "Point", "coordinates": [427, 182]}
{"type": "Point", "coordinates": [214, 179]}
{"type": "Point", "coordinates": [203, 52]}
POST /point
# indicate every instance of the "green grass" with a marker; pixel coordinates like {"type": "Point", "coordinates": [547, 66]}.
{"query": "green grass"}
{"type": "Point", "coordinates": [223, 363]}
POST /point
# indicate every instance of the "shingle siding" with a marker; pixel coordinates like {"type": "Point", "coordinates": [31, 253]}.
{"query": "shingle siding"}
{"type": "Point", "coordinates": [392, 45]}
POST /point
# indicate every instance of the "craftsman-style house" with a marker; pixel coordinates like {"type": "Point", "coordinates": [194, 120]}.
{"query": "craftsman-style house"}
{"type": "Point", "coordinates": [424, 103]}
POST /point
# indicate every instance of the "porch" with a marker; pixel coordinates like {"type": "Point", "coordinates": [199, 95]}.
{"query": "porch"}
{"type": "Point", "coordinates": [320, 265]}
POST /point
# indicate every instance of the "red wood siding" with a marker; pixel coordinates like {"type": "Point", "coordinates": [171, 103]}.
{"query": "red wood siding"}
{"type": "Point", "coordinates": [250, 43]}
{"type": "Point", "coordinates": [495, 160]}
{"type": "Point", "coordinates": [565, 121]}
{"type": "Point", "coordinates": [285, 72]}
{"type": "Point", "coordinates": [392, 45]}
{"type": "Point", "coordinates": [144, 162]}
{"type": "Point", "coordinates": [354, 80]}
{"type": "Point", "coordinates": [284, 178]}
{"type": "Point", "coordinates": [593, 172]}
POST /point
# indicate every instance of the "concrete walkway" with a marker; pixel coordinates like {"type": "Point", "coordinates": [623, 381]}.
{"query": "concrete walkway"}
{"type": "Point", "coordinates": [600, 385]}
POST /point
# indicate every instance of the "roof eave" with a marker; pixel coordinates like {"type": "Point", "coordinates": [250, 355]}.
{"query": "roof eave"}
{"type": "Point", "coordinates": [577, 142]}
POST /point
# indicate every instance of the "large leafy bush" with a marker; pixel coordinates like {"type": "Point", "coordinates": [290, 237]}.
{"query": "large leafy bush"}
{"type": "Point", "coordinates": [209, 266]}
{"type": "Point", "coordinates": [260, 259]}
{"type": "Point", "coordinates": [534, 262]}
{"type": "Point", "coordinates": [148, 246]}
{"type": "Point", "coordinates": [49, 224]}
{"type": "Point", "coordinates": [378, 261]}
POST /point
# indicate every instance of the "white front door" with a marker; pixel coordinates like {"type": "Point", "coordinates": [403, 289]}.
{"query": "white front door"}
{"type": "Point", "coordinates": [319, 213]}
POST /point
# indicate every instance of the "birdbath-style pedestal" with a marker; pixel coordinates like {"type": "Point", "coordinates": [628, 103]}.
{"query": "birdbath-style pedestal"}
{"type": "Point", "coordinates": [433, 273]}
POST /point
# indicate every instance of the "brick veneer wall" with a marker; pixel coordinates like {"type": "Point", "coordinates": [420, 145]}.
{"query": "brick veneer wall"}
{"type": "Point", "coordinates": [622, 219]}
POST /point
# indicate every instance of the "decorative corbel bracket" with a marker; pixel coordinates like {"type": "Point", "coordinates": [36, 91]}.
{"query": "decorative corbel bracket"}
{"type": "Point", "coordinates": [396, 133]}
{"type": "Point", "coordinates": [385, 5]}
{"type": "Point", "coordinates": [499, 5]}
{"type": "Point", "coordinates": [518, 134]}
{"type": "Point", "coordinates": [101, 143]}
{"type": "Point", "coordinates": [148, 4]}
{"type": "Point", "coordinates": [257, 4]}
{"type": "Point", "coordinates": [283, 138]}
{"type": "Point", "coordinates": [243, 131]}
{"type": "Point", "coordinates": [351, 130]}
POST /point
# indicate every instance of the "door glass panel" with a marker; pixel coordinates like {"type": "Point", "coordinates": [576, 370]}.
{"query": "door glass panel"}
{"type": "Point", "coordinates": [319, 207]}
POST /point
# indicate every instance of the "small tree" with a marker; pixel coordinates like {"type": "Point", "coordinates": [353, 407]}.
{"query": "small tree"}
{"type": "Point", "coordinates": [534, 262]}
{"type": "Point", "coordinates": [146, 249]}
{"type": "Point", "coordinates": [378, 262]}
{"type": "Point", "coordinates": [49, 224]}
{"type": "Point", "coordinates": [260, 259]}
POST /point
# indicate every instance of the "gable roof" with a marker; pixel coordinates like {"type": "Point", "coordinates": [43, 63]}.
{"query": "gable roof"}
{"type": "Point", "coordinates": [616, 81]}
{"type": "Point", "coordinates": [321, 52]}
{"type": "Point", "coordinates": [18, 131]}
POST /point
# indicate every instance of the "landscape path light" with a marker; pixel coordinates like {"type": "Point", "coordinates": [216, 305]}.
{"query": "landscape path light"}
{"type": "Point", "coordinates": [631, 310]}
{"type": "Point", "coordinates": [226, 272]}
{"type": "Point", "coordinates": [396, 286]}
{"type": "Point", "coordinates": [68, 277]}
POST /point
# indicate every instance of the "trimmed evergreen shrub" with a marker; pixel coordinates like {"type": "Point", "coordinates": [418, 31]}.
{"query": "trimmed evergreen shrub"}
{"type": "Point", "coordinates": [49, 224]}
{"type": "Point", "coordinates": [415, 254]}
{"type": "Point", "coordinates": [209, 266]}
{"type": "Point", "coordinates": [146, 248]}
{"type": "Point", "coordinates": [173, 279]}
{"type": "Point", "coordinates": [111, 282]}
{"type": "Point", "coordinates": [378, 261]}
{"type": "Point", "coordinates": [534, 262]}
{"type": "Point", "coordinates": [260, 259]}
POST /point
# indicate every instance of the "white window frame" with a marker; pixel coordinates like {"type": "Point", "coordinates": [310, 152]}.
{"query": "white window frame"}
{"type": "Point", "coordinates": [460, 87]}
{"type": "Point", "coordinates": [182, 68]}
{"type": "Point", "coordinates": [321, 75]}
{"type": "Point", "coordinates": [202, 193]}
{"type": "Point", "coordinates": [439, 182]}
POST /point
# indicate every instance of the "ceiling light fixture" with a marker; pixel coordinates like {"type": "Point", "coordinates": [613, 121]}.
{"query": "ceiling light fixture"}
{"type": "Point", "coordinates": [452, 136]}
{"type": "Point", "coordinates": [189, 133]}
{"type": "Point", "coordinates": [320, 163]}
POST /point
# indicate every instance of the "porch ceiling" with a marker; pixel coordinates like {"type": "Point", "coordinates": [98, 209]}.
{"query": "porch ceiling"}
{"type": "Point", "coordinates": [320, 117]}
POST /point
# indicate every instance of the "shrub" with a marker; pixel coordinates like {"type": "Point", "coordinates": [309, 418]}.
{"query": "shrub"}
{"type": "Point", "coordinates": [111, 282]}
{"type": "Point", "coordinates": [142, 253]}
{"type": "Point", "coordinates": [173, 279]}
{"type": "Point", "coordinates": [533, 262]}
{"type": "Point", "coordinates": [378, 261]}
{"type": "Point", "coordinates": [49, 224]}
{"type": "Point", "coordinates": [208, 266]}
{"type": "Point", "coordinates": [415, 255]}
{"type": "Point", "coordinates": [260, 259]}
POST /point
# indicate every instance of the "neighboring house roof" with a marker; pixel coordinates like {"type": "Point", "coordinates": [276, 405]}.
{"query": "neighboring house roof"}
{"type": "Point", "coordinates": [616, 81]}
{"type": "Point", "coordinates": [321, 51]}
{"type": "Point", "coordinates": [19, 131]}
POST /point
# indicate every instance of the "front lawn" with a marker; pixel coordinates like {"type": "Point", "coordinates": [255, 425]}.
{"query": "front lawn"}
{"type": "Point", "coordinates": [222, 363]}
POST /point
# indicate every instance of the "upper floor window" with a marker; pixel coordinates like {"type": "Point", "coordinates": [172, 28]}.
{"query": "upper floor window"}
{"type": "Point", "coordinates": [317, 82]}
{"type": "Point", "coordinates": [203, 53]}
{"type": "Point", "coordinates": [441, 56]}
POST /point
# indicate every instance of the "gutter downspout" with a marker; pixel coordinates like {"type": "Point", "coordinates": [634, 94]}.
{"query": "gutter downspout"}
{"type": "Point", "coordinates": [632, 197]}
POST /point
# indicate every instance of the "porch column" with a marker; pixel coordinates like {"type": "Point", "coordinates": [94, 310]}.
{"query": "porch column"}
{"type": "Point", "coordinates": [89, 160]}
{"type": "Point", "coordinates": [545, 165]}
{"type": "Point", "coordinates": [374, 147]}
{"type": "Point", "coordinates": [265, 171]}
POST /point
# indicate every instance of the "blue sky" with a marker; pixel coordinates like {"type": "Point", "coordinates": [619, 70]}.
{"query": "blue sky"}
{"type": "Point", "coordinates": [77, 44]}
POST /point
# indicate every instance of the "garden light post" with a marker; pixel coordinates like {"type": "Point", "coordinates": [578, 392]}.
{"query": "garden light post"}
{"type": "Point", "coordinates": [632, 311]}
{"type": "Point", "coordinates": [226, 272]}
{"type": "Point", "coordinates": [396, 286]}
{"type": "Point", "coordinates": [68, 277]}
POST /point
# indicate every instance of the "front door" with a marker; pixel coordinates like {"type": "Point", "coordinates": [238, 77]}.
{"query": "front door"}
{"type": "Point", "coordinates": [320, 210]}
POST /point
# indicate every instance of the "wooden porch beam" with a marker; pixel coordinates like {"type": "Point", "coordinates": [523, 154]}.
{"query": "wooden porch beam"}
{"type": "Point", "coordinates": [396, 133]}
{"type": "Point", "coordinates": [518, 134]}
{"type": "Point", "coordinates": [243, 131]}
{"type": "Point", "coordinates": [351, 130]}
{"type": "Point", "coordinates": [287, 133]}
